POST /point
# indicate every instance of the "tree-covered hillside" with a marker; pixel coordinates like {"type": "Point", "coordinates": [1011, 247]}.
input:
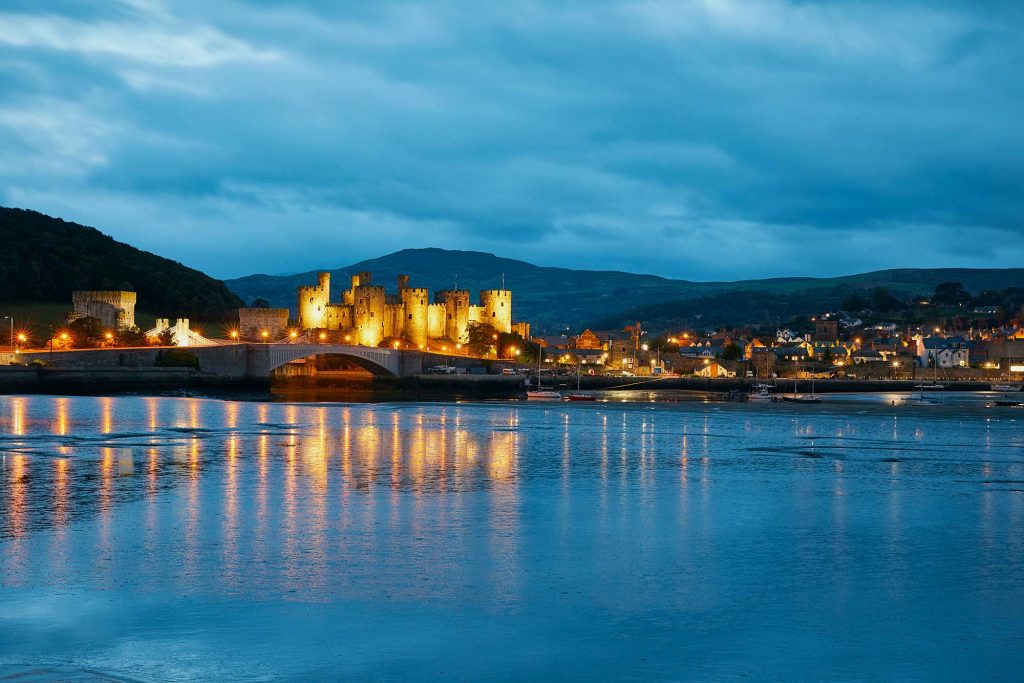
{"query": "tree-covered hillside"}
{"type": "Point", "coordinates": [44, 259]}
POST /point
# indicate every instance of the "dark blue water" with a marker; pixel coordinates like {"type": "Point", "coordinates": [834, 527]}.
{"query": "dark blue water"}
{"type": "Point", "coordinates": [164, 539]}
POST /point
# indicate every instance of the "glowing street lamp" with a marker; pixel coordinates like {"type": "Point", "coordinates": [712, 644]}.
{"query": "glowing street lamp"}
{"type": "Point", "coordinates": [323, 335]}
{"type": "Point", "coordinates": [264, 334]}
{"type": "Point", "coordinates": [293, 334]}
{"type": "Point", "coordinates": [233, 334]}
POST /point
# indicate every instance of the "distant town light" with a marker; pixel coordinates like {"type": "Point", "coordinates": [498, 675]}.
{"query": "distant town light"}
{"type": "Point", "coordinates": [644, 347]}
{"type": "Point", "coordinates": [109, 336]}
{"type": "Point", "coordinates": [293, 334]}
{"type": "Point", "coordinates": [398, 344]}
{"type": "Point", "coordinates": [323, 335]}
{"type": "Point", "coordinates": [233, 334]}
{"type": "Point", "coordinates": [22, 338]}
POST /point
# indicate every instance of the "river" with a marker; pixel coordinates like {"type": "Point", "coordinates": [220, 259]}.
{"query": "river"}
{"type": "Point", "coordinates": [167, 539]}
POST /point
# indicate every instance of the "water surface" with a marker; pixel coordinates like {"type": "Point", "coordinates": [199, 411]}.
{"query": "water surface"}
{"type": "Point", "coordinates": [183, 539]}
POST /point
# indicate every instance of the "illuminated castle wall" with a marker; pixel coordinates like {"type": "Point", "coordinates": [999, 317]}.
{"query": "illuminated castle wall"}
{"type": "Point", "coordinates": [368, 314]}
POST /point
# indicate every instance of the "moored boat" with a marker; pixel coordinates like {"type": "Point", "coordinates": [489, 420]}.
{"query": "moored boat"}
{"type": "Point", "coordinates": [1005, 387]}
{"type": "Point", "coordinates": [544, 394]}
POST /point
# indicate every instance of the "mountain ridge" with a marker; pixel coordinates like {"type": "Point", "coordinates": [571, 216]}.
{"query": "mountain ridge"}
{"type": "Point", "coordinates": [555, 297]}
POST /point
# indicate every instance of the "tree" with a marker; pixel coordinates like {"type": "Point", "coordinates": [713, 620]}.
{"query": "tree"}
{"type": "Point", "coordinates": [950, 294]}
{"type": "Point", "coordinates": [260, 303]}
{"type": "Point", "coordinates": [884, 301]}
{"type": "Point", "coordinates": [854, 303]}
{"type": "Point", "coordinates": [480, 337]}
{"type": "Point", "coordinates": [732, 352]}
{"type": "Point", "coordinates": [131, 336]}
{"type": "Point", "coordinates": [165, 338]}
{"type": "Point", "coordinates": [86, 332]}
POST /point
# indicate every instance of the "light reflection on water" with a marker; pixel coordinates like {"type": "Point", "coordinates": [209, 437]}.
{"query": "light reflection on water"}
{"type": "Point", "coordinates": [602, 540]}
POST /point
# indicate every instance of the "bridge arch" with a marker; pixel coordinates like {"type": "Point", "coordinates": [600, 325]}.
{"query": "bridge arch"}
{"type": "Point", "coordinates": [267, 358]}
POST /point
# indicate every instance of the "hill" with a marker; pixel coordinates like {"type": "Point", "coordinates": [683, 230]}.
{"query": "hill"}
{"type": "Point", "coordinates": [554, 298]}
{"type": "Point", "coordinates": [44, 259]}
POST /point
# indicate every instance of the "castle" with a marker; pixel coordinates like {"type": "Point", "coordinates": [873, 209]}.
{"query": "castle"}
{"type": "Point", "coordinates": [114, 309]}
{"type": "Point", "coordinates": [367, 315]}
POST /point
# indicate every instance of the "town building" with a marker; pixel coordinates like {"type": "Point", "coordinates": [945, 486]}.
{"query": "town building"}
{"type": "Point", "coordinates": [943, 352]}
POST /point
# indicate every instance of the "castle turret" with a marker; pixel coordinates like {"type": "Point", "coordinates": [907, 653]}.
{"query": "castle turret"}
{"type": "Point", "coordinates": [312, 303]}
{"type": "Point", "coordinates": [497, 309]}
{"type": "Point", "coordinates": [456, 313]}
{"type": "Point", "coordinates": [415, 324]}
{"type": "Point", "coordinates": [369, 315]}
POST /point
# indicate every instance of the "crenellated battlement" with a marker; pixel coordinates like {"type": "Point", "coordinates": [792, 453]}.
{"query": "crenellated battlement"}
{"type": "Point", "coordinates": [370, 314]}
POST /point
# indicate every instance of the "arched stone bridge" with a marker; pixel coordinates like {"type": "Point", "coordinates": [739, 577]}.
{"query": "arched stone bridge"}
{"type": "Point", "coordinates": [263, 359]}
{"type": "Point", "coordinates": [234, 360]}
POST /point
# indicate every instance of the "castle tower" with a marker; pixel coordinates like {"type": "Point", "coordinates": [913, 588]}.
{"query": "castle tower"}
{"type": "Point", "coordinates": [312, 303]}
{"type": "Point", "coordinates": [416, 303]}
{"type": "Point", "coordinates": [456, 312]}
{"type": "Point", "coordinates": [369, 316]}
{"type": "Point", "coordinates": [497, 309]}
{"type": "Point", "coordinates": [114, 309]}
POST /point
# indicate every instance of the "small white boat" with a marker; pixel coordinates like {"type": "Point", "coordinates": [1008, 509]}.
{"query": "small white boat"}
{"type": "Point", "coordinates": [540, 393]}
{"type": "Point", "coordinates": [932, 385]}
{"type": "Point", "coordinates": [544, 395]}
{"type": "Point", "coordinates": [1005, 387]}
{"type": "Point", "coordinates": [923, 401]}
{"type": "Point", "coordinates": [801, 398]}
{"type": "Point", "coordinates": [763, 393]}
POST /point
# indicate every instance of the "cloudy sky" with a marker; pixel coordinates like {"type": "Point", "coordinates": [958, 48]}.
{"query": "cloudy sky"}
{"type": "Point", "coordinates": [706, 139]}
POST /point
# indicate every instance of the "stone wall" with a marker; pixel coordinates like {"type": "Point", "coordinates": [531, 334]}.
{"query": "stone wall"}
{"type": "Point", "coordinates": [252, 322]}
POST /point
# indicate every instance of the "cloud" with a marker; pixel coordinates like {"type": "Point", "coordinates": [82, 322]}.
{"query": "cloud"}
{"type": "Point", "coordinates": [701, 139]}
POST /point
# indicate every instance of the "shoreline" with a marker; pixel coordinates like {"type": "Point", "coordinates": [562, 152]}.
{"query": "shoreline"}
{"type": "Point", "coordinates": [27, 380]}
